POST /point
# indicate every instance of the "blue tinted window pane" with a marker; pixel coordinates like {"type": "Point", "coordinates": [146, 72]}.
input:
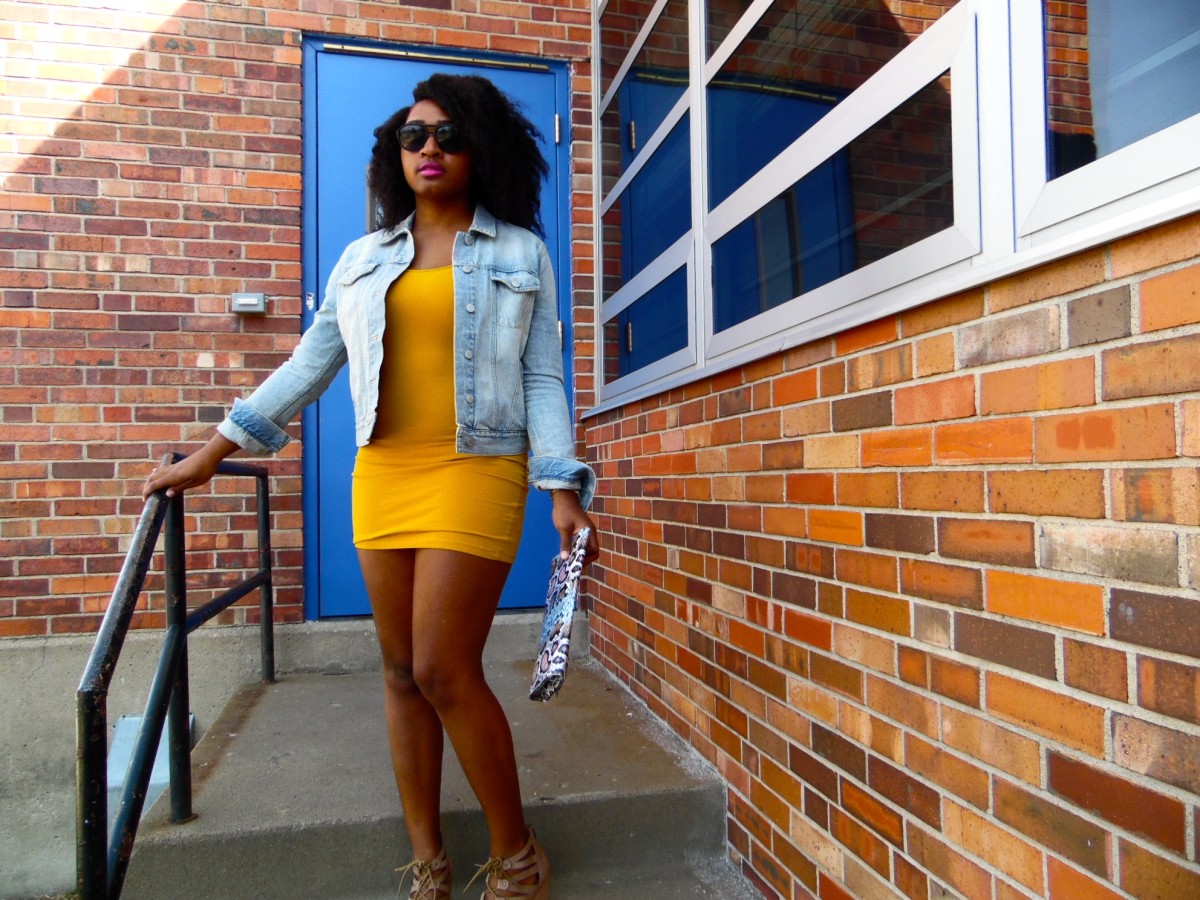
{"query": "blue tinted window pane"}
{"type": "Point", "coordinates": [651, 328]}
{"type": "Point", "coordinates": [889, 189]}
{"type": "Point", "coordinates": [1117, 72]}
{"type": "Point", "coordinates": [651, 214]}
{"type": "Point", "coordinates": [748, 127]}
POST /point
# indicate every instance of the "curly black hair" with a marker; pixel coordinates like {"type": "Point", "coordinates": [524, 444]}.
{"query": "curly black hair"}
{"type": "Point", "coordinates": [507, 165]}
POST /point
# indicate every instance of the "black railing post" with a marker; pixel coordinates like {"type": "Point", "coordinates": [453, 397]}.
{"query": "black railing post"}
{"type": "Point", "coordinates": [179, 738]}
{"type": "Point", "coordinates": [91, 795]}
{"type": "Point", "coordinates": [266, 598]}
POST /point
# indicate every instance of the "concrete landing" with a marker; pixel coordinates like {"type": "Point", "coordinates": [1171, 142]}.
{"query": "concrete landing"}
{"type": "Point", "coordinates": [294, 798]}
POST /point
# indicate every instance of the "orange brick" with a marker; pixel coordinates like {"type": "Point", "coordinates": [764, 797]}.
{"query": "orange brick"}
{"type": "Point", "coordinates": [1146, 874]}
{"type": "Point", "coordinates": [963, 779]}
{"type": "Point", "coordinates": [877, 611]}
{"type": "Point", "coordinates": [1008, 543]}
{"type": "Point", "coordinates": [1008, 852]}
{"type": "Point", "coordinates": [906, 706]}
{"type": "Point", "coordinates": [1157, 495]}
{"type": "Point", "coordinates": [1051, 280]}
{"type": "Point", "coordinates": [954, 585]}
{"type": "Point", "coordinates": [900, 447]}
{"type": "Point", "coordinates": [1138, 432]}
{"type": "Point", "coordinates": [869, 650]}
{"type": "Point", "coordinates": [1097, 670]}
{"type": "Point", "coordinates": [1055, 385]}
{"type": "Point", "coordinates": [795, 387]}
{"type": "Point", "coordinates": [1171, 300]}
{"type": "Point", "coordinates": [836, 526]}
{"type": "Point", "coordinates": [873, 570]}
{"type": "Point", "coordinates": [942, 313]}
{"type": "Point", "coordinates": [872, 489]}
{"type": "Point", "coordinates": [1048, 713]}
{"type": "Point", "coordinates": [1074, 493]}
{"type": "Point", "coordinates": [834, 452]}
{"type": "Point", "coordinates": [870, 335]}
{"type": "Point", "coordinates": [790, 521]}
{"type": "Point", "coordinates": [945, 490]}
{"type": "Point", "coordinates": [993, 440]}
{"type": "Point", "coordinates": [1159, 246]}
{"type": "Point", "coordinates": [1165, 366]}
{"type": "Point", "coordinates": [992, 744]}
{"type": "Point", "coordinates": [969, 879]}
{"type": "Point", "coordinates": [881, 368]}
{"type": "Point", "coordinates": [954, 680]}
{"type": "Point", "coordinates": [1067, 883]}
{"type": "Point", "coordinates": [936, 401]}
{"type": "Point", "coordinates": [1066, 604]}
{"type": "Point", "coordinates": [1189, 411]}
{"type": "Point", "coordinates": [935, 355]}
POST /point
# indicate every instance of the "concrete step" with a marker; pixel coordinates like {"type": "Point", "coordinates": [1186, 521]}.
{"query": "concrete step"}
{"type": "Point", "coordinates": [294, 798]}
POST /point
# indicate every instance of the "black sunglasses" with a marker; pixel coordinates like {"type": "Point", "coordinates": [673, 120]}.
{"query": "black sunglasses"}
{"type": "Point", "coordinates": [412, 136]}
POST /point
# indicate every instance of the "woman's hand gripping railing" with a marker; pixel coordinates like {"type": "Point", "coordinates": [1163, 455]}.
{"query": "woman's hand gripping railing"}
{"type": "Point", "coordinates": [103, 859]}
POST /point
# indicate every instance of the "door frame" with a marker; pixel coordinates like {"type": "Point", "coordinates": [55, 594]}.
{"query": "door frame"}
{"type": "Point", "coordinates": [314, 44]}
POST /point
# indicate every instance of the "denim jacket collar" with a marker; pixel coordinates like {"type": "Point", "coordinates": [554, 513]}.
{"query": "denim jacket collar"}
{"type": "Point", "coordinates": [483, 222]}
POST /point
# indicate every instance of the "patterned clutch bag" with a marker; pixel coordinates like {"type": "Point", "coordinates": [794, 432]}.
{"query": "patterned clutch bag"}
{"type": "Point", "coordinates": [550, 668]}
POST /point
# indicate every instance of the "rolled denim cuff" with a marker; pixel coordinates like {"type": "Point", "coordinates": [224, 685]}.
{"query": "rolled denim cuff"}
{"type": "Point", "coordinates": [551, 473]}
{"type": "Point", "coordinates": [252, 431]}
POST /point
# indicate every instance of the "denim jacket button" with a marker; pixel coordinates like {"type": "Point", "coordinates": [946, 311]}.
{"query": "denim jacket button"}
{"type": "Point", "coordinates": [470, 307]}
{"type": "Point", "coordinates": [468, 269]}
{"type": "Point", "coordinates": [469, 355]}
{"type": "Point", "coordinates": [469, 240]}
{"type": "Point", "coordinates": [470, 398]}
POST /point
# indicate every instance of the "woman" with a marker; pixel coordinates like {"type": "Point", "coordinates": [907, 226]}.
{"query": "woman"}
{"type": "Point", "coordinates": [448, 319]}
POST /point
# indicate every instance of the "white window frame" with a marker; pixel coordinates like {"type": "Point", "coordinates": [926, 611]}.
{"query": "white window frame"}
{"type": "Point", "coordinates": [1008, 215]}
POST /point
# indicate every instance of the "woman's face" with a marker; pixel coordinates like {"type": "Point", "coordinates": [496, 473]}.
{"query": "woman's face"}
{"type": "Point", "coordinates": [431, 172]}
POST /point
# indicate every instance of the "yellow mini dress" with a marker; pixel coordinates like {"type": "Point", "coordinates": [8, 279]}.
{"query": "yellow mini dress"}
{"type": "Point", "coordinates": [412, 489]}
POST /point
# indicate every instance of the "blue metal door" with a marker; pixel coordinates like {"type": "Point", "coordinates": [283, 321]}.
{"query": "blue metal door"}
{"type": "Point", "coordinates": [349, 89]}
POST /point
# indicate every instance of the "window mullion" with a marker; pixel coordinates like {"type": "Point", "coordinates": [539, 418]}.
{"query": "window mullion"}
{"type": "Point", "coordinates": [700, 327]}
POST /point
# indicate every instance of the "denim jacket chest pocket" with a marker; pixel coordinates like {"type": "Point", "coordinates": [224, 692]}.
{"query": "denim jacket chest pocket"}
{"type": "Point", "coordinates": [512, 295]}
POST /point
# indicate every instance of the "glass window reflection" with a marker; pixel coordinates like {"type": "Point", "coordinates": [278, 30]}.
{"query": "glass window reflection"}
{"type": "Point", "coordinates": [652, 212]}
{"type": "Point", "coordinates": [889, 189]}
{"type": "Point", "coordinates": [798, 62]}
{"type": "Point", "coordinates": [653, 84]}
{"type": "Point", "coordinates": [650, 329]}
{"type": "Point", "coordinates": [1117, 72]}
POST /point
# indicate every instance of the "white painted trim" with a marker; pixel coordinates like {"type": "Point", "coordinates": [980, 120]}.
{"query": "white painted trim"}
{"type": "Point", "coordinates": [678, 254]}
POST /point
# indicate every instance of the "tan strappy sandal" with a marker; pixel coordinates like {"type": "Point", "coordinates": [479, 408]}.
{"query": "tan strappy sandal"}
{"type": "Point", "coordinates": [431, 878]}
{"type": "Point", "coordinates": [510, 877]}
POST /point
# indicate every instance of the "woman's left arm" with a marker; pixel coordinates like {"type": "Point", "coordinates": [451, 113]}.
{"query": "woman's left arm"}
{"type": "Point", "coordinates": [552, 465]}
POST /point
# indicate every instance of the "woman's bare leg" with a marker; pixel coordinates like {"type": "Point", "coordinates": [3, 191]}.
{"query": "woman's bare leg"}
{"type": "Point", "coordinates": [433, 610]}
{"type": "Point", "coordinates": [414, 729]}
{"type": "Point", "coordinates": [454, 602]}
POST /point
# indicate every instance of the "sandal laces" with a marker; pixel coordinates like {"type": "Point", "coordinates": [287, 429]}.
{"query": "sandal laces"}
{"type": "Point", "coordinates": [507, 874]}
{"type": "Point", "coordinates": [425, 886]}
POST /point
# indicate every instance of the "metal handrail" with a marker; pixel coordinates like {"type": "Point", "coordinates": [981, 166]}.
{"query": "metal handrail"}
{"type": "Point", "coordinates": [102, 860]}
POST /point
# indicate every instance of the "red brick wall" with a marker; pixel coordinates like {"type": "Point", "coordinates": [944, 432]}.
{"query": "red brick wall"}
{"type": "Point", "coordinates": [925, 592]}
{"type": "Point", "coordinates": [151, 166]}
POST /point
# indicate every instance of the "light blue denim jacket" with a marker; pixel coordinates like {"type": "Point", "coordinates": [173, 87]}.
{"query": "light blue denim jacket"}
{"type": "Point", "coordinates": [508, 379]}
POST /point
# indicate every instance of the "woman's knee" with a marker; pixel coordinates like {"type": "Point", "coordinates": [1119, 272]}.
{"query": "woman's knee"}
{"type": "Point", "coordinates": [446, 682]}
{"type": "Point", "coordinates": [398, 676]}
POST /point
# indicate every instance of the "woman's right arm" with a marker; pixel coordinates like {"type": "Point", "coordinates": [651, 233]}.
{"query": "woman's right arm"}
{"type": "Point", "coordinates": [191, 471]}
{"type": "Point", "coordinates": [256, 423]}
